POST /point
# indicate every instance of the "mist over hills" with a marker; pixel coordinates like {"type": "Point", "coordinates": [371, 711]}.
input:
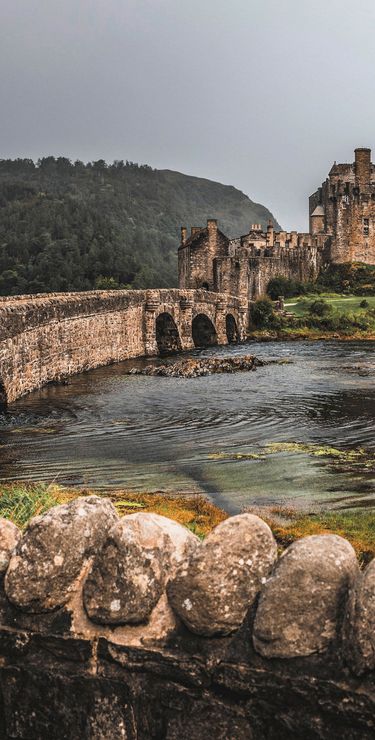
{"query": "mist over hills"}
{"type": "Point", "coordinates": [66, 226]}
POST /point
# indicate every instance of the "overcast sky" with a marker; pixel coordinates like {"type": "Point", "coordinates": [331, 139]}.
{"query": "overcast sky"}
{"type": "Point", "coordinates": [260, 94]}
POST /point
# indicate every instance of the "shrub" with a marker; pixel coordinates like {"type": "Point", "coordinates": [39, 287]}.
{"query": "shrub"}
{"type": "Point", "coordinates": [262, 314]}
{"type": "Point", "coordinates": [364, 304]}
{"type": "Point", "coordinates": [320, 308]}
{"type": "Point", "coordinates": [288, 287]}
{"type": "Point", "coordinates": [351, 277]}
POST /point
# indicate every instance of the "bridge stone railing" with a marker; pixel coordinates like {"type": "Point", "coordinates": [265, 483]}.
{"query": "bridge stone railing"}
{"type": "Point", "coordinates": [133, 628]}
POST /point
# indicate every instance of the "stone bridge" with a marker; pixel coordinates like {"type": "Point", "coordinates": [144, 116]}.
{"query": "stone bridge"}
{"type": "Point", "coordinates": [48, 337]}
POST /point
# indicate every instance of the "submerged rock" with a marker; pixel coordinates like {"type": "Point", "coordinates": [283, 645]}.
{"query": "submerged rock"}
{"type": "Point", "coordinates": [194, 368]}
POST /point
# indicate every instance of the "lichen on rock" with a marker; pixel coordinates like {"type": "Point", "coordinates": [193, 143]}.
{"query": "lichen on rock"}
{"type": "Point", "coordinates": [214, 588]}
{"type": "Point", "coordinates": [53, 550]}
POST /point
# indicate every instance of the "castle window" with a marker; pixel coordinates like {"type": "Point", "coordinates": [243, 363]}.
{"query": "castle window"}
{"type": "Point", "coordinates": [366, 226]}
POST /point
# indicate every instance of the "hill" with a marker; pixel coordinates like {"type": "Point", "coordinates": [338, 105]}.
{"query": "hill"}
{"type": "Point", "coordinates": [66, 226]}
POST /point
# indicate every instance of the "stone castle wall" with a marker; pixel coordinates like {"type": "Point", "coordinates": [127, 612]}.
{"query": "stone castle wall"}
{"type": "Point", "coordinates": [50, 337]}
{"type": "Point", "coordinates": [133, 628]}
{"type": "Point", "coordinates": [347, 203]}
{"type": "Point", "coordinates": [302, 264]}
{"type": "Point", "coordinates": [243, 267]}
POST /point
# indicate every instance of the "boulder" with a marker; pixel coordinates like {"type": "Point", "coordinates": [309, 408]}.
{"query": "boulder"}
{"type": "Point", "coordinates": [214, 588]}
{"type": "Point", "coordinates": [9, 536]}
{"type": "Point", "coordinates": [52, 551]}
{"type": "Point", "coordinates": [359, 627]}
{"type": "Point", "coordinates": [300, 605]}
{"type": "Point", "coordinates": [129, 574]}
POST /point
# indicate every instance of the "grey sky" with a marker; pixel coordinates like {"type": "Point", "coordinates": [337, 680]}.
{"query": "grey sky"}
{"type": "Point", "coordinates": [260, 94]}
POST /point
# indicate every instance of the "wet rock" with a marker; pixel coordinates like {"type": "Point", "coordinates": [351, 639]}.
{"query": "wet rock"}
{"type": "Point", "coordinates": [129, 574]}
{"type": "Point", "coordinates": [213, 589]}
{"type": "Point", "coordinates": [299, 607]}
{"type": "Point", "coordinates": [9, 536]}
{"type": "Point", "coordinates": [192, 368]}
{"type": "Point", "coordinates": [52, 551]}
{"type": "Point", "coordinates": [359, 627]}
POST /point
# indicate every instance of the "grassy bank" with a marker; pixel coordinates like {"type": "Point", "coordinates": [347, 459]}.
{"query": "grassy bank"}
{"type": "Point", "coordinates": [315, 316]}
{"type": "Point", "coordinates": [357, 526]}
{"type": "Point", "coordinates": [339, 302]}
{"type": "Point", "coordinates": [19, 502]}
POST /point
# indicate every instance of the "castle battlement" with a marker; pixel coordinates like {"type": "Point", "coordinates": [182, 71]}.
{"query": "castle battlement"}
{"type": "Point", "coordinates": [342, 229]}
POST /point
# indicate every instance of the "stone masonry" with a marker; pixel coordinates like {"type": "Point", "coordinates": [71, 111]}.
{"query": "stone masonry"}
{"type": "Point", "coordinates": [133, 628]}
{"type": "Point", "coordinates": [342, 229]}
{"type": "Point", "coordinates": [343, 208]}
{"type": "Point", "coordinates": [49, 337]}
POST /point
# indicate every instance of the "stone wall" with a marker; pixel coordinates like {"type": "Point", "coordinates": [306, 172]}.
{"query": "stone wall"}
{"type": "Point", "coordinates": [133, 628]}
{"type": "Point", "coordinates": [302, 264]}
{"type": "Point", "coordinates": [49, 337]}
{"type": "Point", "coordinates": [244, 266]}
{"type": "Point", "coordinates": [347, 201]}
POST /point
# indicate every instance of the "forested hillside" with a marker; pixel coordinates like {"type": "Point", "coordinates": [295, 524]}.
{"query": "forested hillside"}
{"type": "Point", "coordinates": [66, 226]}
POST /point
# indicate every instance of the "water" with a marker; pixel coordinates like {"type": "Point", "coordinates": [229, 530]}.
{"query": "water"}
{"type": "Point", "coordinates": [108, 429]}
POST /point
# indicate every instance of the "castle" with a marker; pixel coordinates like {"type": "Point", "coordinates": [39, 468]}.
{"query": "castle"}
{"type": "Point", "coordinates": [342, 229]}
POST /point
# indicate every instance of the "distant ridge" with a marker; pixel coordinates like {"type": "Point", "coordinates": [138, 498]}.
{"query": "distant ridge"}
{"type": "Point", "coordinates": [66, 226]}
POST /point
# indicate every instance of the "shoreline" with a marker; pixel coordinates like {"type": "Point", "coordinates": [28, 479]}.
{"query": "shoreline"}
{"type": "Point", "coordinates": [295, 335]}
{"type": "Point", "coordinates": [20, 502]}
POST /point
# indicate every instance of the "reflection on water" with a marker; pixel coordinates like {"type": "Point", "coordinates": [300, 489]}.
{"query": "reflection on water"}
{"type": "Point", "coordinates": [109, 429]}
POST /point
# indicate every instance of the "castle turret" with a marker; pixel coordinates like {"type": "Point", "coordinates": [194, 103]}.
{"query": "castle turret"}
{"type": "Point", "coordinates": [317, 220]}
{"type": "Point", "coordinates": [362, 168]}
{"type": "Point", "coordinates": [270, 234]}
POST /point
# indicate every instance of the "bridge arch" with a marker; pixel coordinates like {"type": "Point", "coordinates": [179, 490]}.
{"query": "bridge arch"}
{"type": "Point", "coordinates": [167, 335]}
{"type": "Point", "coordinates": [231, 329]}
{"type": "Point", "coordinates": [203, 331]}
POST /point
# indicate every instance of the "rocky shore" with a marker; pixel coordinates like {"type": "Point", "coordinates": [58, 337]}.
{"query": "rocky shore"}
{"type": "Point", "coordinates": [194, 368]}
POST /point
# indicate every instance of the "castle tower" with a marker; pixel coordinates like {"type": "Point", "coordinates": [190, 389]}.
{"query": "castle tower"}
{"type": "Point", "coordinates": [270, 234]}
{"type": "Point", "coordinates": [362, 169]}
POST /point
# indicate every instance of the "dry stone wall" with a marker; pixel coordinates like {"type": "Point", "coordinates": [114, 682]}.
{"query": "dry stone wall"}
{"type": "Point", "coordinates": [49, 337]}
{"type": "Point", "coordinates": [133, 628]}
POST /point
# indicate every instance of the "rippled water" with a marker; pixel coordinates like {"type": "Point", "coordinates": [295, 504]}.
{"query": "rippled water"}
{"type": "Point", "coordinates": [109, 429]}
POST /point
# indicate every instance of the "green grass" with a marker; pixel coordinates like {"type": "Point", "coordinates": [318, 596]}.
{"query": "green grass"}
{"type": "Point", "coordinates": [357, 526]}
{"type": "Point", "coordinates": [21, 502]}
{"type": "Point", "coordinates": [341, 304]}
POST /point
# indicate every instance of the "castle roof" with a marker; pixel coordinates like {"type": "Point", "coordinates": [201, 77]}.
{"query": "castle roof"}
{"type": "Point", "coordinates": [319, 210]}
{"type": "Point", "coordinates": [340, 169]}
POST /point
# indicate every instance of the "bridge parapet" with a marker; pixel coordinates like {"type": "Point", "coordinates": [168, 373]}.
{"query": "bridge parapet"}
{"type": "Point", "coordinates": [48, 337]}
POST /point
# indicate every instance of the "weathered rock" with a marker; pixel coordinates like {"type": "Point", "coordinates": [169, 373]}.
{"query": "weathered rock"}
{"type": "Point", "coordinates": [128, 575]}
{"type": "Point", "coordinates": [359, 626]}
{"type": "Point", "coordinates": [213, 590]}
{"type": "Point", "coordinates": [54, 547]}
{"type": "Point", "coordinates": [193, 368]}
{"type": "Point", "coordinates": [9, 536]}
{"type": "Point", "coordinates": [299, 608]}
